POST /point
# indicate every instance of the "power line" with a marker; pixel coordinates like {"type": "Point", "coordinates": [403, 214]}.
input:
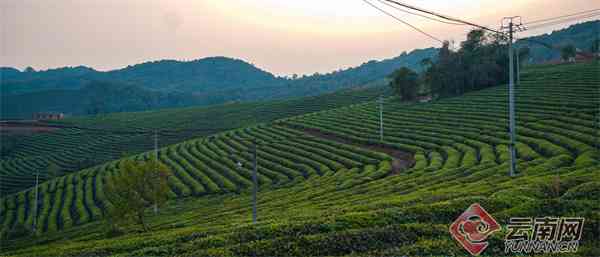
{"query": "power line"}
{"type": "Point", "coordinates": [559, 17]}
{"type": "Point", "coordinates": [417, 14]}
{"type": "Point", "coordinates": [534, 41]}
{"type": "Point", "coordinates": [446, 17]}
{"type": "Point", "coordinates": [557, 22]}
{"type": "Point", "coordinates": [404, 22]}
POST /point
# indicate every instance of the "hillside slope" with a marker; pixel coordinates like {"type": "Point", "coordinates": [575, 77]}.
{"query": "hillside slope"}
{"type": "Point", "coordinates": [208, 81]}
{"type": "Point", "coordinates": [96, 97]}
{"type": "Point", "coordinates": [321, 198]}
{"type": "Point", "coordinates": [87, 141]}
{"type": "Point", "coordinates": [582, 36]}
{"type": "Point", "coordinates": [217, 80]}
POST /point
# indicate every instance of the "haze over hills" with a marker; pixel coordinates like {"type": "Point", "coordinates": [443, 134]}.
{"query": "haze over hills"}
{"type": "Point", "coordinates": [171, 83]}
{"type": "Point", "coordinates": [165, 75]}
{"type": "Point", "coordinates": [215, 80]}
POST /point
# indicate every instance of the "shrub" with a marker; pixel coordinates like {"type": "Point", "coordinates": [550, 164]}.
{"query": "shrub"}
{"type": "Point", "coordinates": [420, 161]}
{"type": "Point", "coordinates": [435, 161]}
{"type": "Point", "coordinates": [587, 159]}
{"type": "Point", "coordinates": [586, 191]}
{"type": "Point", "coordinates": [18, 230]}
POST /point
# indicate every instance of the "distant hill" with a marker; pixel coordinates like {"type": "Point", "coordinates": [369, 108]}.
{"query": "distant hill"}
{"type": "Point", "coordinates": [547, 47]}
{"type": "Point", "coordinates": [14, 81]}
{"type": "Point", "coordinates": [205, 81]}
{"type": "Point", "coordinates": [166, 75]}
{"type": "Point", "coordinates": [208, 74]}
{"type": "Point", "coordinates": [216, 80]}
{"type": "Point", "coordinates": [96, 97]}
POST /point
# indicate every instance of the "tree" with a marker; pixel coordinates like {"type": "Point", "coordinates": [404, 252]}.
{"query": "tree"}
{"type": "Point", "coordinates": [53, 170]}
{"type": "Point", "coordinates": [137, 186]}
{"type": "Point", "coordinates": [404, 82]}
{"type": "Point", "coordinates": [568, 52]}
{"type": "Point", "coordinates": [481, 62]}
{"type": "Point", "coordinates": [426, 63]}
{"type": "Point", "coordinates": [595, 48]}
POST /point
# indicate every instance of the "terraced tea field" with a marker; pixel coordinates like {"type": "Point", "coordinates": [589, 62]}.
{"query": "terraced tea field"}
{"type": "Point", "coordinates": [327, 186]}
{"type": "Point", "coordinates": [89, 141]}
{"type": "Point", "coordinates": [556, 109]}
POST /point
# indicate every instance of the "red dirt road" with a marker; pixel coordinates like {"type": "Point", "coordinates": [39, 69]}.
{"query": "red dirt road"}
{"type": "Point", "coordinates": [25, 128]}
{"type": "Point", "coordinates": [400, 160]}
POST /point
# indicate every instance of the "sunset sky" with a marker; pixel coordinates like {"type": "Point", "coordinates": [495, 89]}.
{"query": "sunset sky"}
{"type": "Point", "coordinates": [283, 37]}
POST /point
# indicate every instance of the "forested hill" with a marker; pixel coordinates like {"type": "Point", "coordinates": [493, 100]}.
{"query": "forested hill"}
{"type": "Point", "coordinates": [216, 80]}
{"type": "Point", "coordinates": [165, 75]}
{"type": "Point", "coordinates": [547, 47]}
{"type": "Point", "coordinates": [205, 81]}
{"type": "Point", "coordinates": [96, 97]}
{"type": "Point", "coordinates": [202, 75]}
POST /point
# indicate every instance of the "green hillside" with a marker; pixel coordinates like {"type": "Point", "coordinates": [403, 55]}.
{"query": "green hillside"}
{"type": "Point", "coordinates": [328, 187]}
{"type": "Point", "coordinates": [546, 47]}
{"type": "Point", "coordinates": [91, 140]}
{"type": "Point", "coordinates": [170, 84]}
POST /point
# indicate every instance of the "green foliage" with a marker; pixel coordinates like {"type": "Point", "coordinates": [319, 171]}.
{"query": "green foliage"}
{"type": "Point", "coordinates": [404, 82]}
{"type": "Point", "coordinates": [588, 158]}
{"type": "Point", "coordinates": [349, 203]}
{"type": "Point", "coordinates": [53, 170]}
{"type": "Point", "coordinates": [589, 191]}
{"type": "Point", "coordinates": [19, 230]}
{"type": "Point", "coordinates": [136, 187]}
{"type": "Point", "coordinates": [86, 145]}
{"type": "Point", "coordinates": [169, 84]}
{"type": "Point", "coordinates": [481, 62]}
{"type": "Point", "coordinates": [546, 47]}
{"type": "Point", "coordinates": [567, 52]}
{"type": "Point", "coordinates": [595, 48]}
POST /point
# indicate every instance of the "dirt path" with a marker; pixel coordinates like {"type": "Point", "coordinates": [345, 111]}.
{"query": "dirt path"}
{"type": "Point", "coordinates": [400, 160]}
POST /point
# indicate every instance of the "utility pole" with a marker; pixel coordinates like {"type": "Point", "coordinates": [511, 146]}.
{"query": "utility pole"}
{"type": "Point", "coordinates": [255, 181]}
{"type": "Point", "coordinates": [156, 159]}
{"type": "Point", "coordinates": [35, 214]}
{"type": "Point", "coordinates": [597, 123]}
{"type": "Point", "coordinates": [511, 90]}
{"type": "Point", "coordinates": [517, 54]}
{"type": "Point", "coordinates": [381, 119]}
{"type": "Point", "coordinates": [156, 143]}
{"type": "Point", "coordinates": [0, 191]}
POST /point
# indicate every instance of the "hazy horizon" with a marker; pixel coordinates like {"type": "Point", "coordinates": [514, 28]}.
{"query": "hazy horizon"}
{"type": "Point", "coordinates": [280, 37]}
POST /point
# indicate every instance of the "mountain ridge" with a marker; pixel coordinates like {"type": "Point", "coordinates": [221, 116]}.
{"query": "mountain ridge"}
{"type": "Point", "coordinates": [207, 81]}
{"type": "Point", "coordinates": [219, 79]}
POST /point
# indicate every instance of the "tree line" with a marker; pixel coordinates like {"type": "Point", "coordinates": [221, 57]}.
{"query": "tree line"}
{"type": "Point", "coordinates": [480, 62]}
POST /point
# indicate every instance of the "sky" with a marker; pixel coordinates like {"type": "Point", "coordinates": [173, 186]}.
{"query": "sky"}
{"type": "Point", "coordinates": [281, 36]}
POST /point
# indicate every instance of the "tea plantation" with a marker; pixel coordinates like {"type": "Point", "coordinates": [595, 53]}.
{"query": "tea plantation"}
{"type": "Point", "coordinates": [88, 141]}
{"type": "Point", "coordinates": [329, 193]}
